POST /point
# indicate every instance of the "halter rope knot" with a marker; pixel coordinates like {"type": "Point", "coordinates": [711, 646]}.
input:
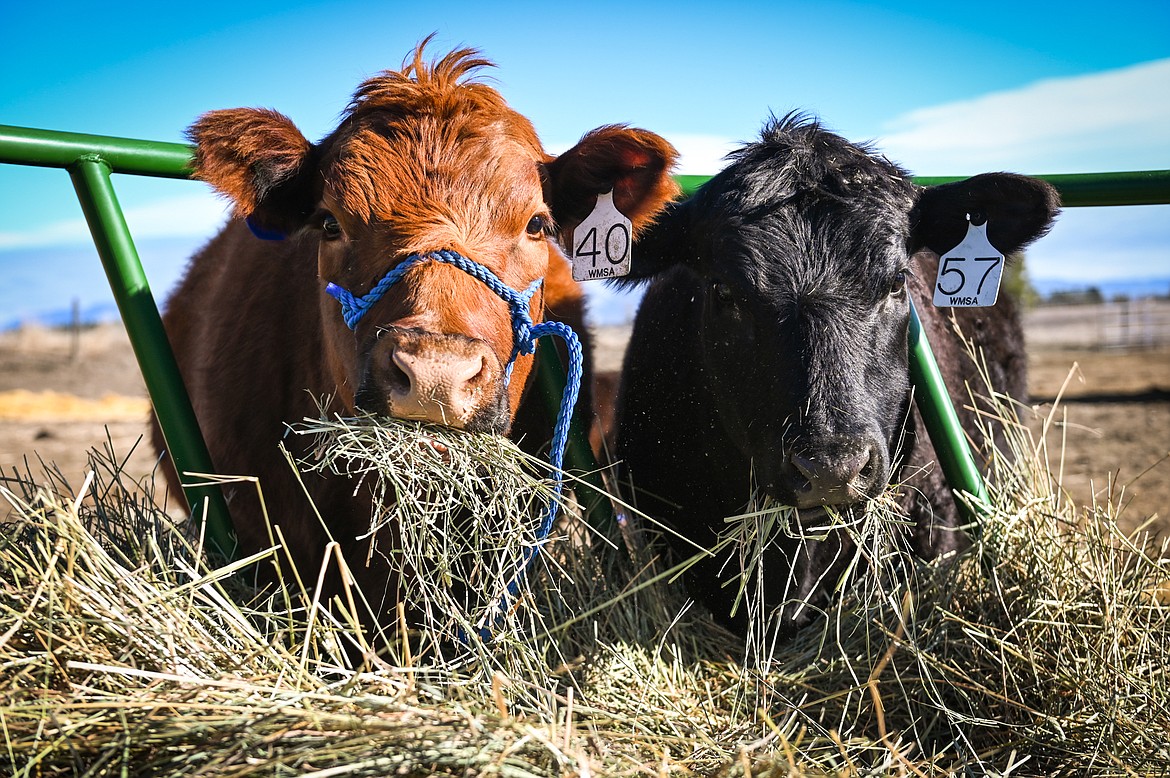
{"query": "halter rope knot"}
{"type": "Point", "coordinates": [524, 337]}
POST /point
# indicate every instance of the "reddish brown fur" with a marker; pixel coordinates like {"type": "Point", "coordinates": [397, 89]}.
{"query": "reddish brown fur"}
{"type": "Point", "coordinates": [425, 159]}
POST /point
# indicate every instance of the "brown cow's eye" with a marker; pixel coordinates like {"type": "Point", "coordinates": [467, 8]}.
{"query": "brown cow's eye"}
{"type": "Point", "coordinates": [537, 225]}
{"type": "Point", "coordinates": [330, 227]}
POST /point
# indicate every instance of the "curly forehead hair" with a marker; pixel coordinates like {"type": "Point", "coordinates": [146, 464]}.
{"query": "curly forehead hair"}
{"type": "Point", "coordinates": [796, 155]}
{"type": "Point", "coordinates": [445, 86]}
{"type": "Point", "coordinates": [426, 126]}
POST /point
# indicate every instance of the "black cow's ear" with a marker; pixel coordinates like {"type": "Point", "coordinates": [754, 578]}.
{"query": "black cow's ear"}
{"type": "Point", "coordinates": [1017, 209]}
{"type": "Point", "coordinates": [661, 245]}
{"type": "Point", "coordinates": [260, 161]}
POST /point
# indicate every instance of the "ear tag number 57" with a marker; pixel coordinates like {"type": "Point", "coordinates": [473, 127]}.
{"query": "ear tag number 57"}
{"type": "Point", "coordinates": [600, 246]}
{"type": "Point", "coordinates": [969, 274]}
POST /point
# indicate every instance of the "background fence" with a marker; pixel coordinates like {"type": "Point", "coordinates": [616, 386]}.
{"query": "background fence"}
{"type": "Point", "coordinates": [1135, 325]}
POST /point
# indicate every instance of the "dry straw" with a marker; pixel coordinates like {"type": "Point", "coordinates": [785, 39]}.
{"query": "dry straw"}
{"type": "Point", "coordinates": [1042, 651]}
{"type": "Point", "coordinates": [456, 518]}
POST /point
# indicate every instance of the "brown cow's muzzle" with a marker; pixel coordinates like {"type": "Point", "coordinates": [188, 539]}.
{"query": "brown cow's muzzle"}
{"type": "Point", "coordinates": [452, 380]}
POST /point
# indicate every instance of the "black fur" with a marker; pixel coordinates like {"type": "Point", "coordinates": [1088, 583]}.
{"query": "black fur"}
{"type": "Point", "coordinates": [771, 348]}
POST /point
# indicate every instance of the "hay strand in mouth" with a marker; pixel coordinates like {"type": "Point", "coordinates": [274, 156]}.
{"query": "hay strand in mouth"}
{"type": "Point", "coordinates": [456, 516]}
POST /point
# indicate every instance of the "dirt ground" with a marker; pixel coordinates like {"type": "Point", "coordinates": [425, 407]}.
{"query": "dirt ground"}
{"type": "Point", "coordinates": [1109, 365]}
{"type": "Point", "coordinates": [1112, 425]}
{"type": "Point", "coordinates": [62, 394]}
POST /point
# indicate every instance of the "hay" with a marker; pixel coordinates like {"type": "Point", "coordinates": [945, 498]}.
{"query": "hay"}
{"type": "Point", "coordinates": [23, 405]}
{"type": "Point", "coordinates": [456, 518]}
{"type": "Point", "coordinates": [1042, 651]}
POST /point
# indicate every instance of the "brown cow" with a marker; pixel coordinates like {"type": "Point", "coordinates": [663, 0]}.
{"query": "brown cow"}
{"type": "Point", "coordinates": [425, 159]}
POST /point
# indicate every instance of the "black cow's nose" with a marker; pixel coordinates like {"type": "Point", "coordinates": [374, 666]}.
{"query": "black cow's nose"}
{"type": "Point", "coordinates": [843, 476]}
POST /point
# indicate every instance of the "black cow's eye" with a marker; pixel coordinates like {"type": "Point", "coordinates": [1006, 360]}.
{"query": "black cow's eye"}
{"type": "Point", "coordinates": [536, 225]}
{"type": "Point", "coordinates": [330, 227]}
{"type": "Point", "coordinates": [723, 293]}
{"type": "Point", "coordinates": [899, 284]}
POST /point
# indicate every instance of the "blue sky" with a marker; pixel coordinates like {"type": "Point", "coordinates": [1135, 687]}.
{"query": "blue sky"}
{"type": "Point", "coordinates": [943, 88]}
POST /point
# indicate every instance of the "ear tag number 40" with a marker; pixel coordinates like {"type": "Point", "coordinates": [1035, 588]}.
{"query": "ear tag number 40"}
{"type": "Point", "coordinates": [600, 245]}
{"type": "Point", "coordinates": [969, 274]}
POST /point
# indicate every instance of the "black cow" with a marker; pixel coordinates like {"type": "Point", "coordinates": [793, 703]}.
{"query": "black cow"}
{"type": "Point", "coordinates": [771, 349]}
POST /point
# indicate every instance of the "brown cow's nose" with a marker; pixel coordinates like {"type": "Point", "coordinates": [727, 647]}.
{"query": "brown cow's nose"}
{"type": "Point", "coordinates": [834, 480]}
{"type": "Point", "coordinates": [448, 379]}
{"type": "Point", "coordinates": [445, 388]}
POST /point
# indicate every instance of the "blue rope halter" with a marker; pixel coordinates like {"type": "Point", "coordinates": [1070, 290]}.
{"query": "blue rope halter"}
{"type": "Point", "coordinates": [524, 337]}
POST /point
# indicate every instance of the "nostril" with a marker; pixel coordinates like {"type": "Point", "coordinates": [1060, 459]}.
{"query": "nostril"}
{"type": "Point", "coordinates": [804, 476]}
{"type": "Point", "coordinates": [867, 469]}
{"type": "Point", "coordinates": [807, 467]}
{"type": "Point", "coordinates": [400, 371]}
{"type": "Point", "coordinates": [473, 370]}
{"type": "Point", "coordinates": [873, 476]}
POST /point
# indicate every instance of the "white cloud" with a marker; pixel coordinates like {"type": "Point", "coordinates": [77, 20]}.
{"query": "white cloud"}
{"type": "Point", "coordinates": [188, 216]}
{"type": "Point", "coordinates": [1116, 120]}
{"type": "Point", "coordinates": [1099, 244]}
{"type": "Point", "coordinates": [701, 154]}
{"type": "Point", "coordinates": [1112, 121]}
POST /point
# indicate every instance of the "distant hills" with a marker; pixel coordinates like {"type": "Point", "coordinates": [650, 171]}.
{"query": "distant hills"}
{"type": "Point", "coordinates": [1128, 287]}
{"type": "Point", "coordinates": [40, 284]}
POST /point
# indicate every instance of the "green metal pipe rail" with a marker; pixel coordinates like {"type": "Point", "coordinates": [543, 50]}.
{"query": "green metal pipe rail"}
{"type": "Point", "coordinates": [91, 159]}
{"type": "Point", "coordinates": [1139, 187]}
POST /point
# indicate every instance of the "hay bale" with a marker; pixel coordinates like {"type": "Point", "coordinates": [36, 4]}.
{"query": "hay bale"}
{"type": "Point", "coordinates": [1042, 651]}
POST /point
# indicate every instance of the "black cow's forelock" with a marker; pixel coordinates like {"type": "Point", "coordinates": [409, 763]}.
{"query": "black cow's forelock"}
{"type": "Point", "coordinates": [796, 157]}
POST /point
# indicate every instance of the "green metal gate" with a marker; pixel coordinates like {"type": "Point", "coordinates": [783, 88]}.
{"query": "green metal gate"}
{"type": "Point", "coordinates": [91, 159]}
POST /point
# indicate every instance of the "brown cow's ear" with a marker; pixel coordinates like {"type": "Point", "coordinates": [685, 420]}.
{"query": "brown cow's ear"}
{"type": "Point", "coordinates": [1018, 210]}
{"type": "Point", "coordinates": [634, 164]}
{"type": "Point", "coordinates": [261, 162]}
